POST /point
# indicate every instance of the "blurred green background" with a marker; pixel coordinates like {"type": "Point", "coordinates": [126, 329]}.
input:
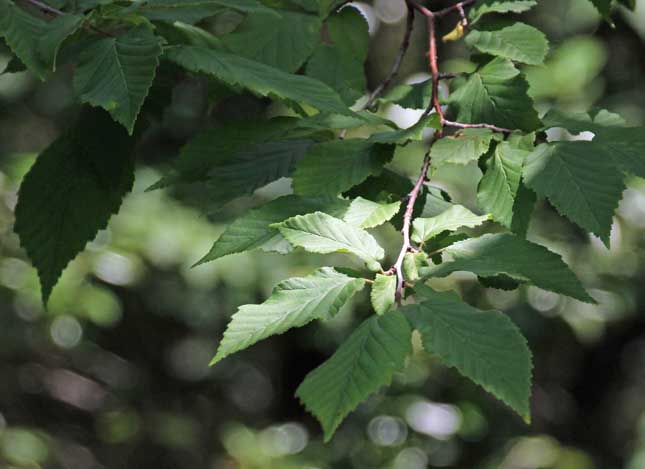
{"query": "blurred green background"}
{"type": "Point", "coordinates": [115, 375]}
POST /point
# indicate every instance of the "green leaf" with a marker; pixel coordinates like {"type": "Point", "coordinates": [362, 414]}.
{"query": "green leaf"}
{"type": "Point", "coordinates": [284, 43]}
{"type": "Point", "coordinates": [364, 363]}
{"type": "Point", "coordinates": [603, 7]}
{"type": "Point", "coordinates": [339, 69]}
{"type": "Point", "coordinates": [116, 73]}
{"type": "Point", "coordinates": [484, 346]}
{"type": "Point", "coordinates": [491, 255]}
{"type": "Point", "coordinates": [484, 7]}
{"type": "Point", "coordinates": [519, 42]}
{"type": "Point", "coordinates": [324, 234]}
{"type": "Point", "coordinates": [463, 148]}
{"type": "Point", "coordinates": [496, 94]}
{"type": "Point", "coordinates": [336, 166]}
{"type": "Point", "coordinates": [247, 171]}
{"type": "Point", "coordinates": [367, 214]}
{"type": "Point", "coordinates": [33, 40]}
{"type": "Point", "coordinates": [582, 183]}
{"type": "Point", "coordinates": [383, 294]}
{"type": "Point", "coordinates": [71, 191]}
{"type": "Point", "coordinates": [348, 29]}
{"type": "Point", "coordinates": [415, 96]}
{"type": "Point", "coordinates": [192, 11]}
{"type": "Point", "coordinates": [523, 210]}
{"type": "Point", "coordinates": [57, 30]}
{"type": "Point", "coordinates": [452, 219]}
{"type": "Point", "coordinates": [253, 230]}
{"type": "Point", "coordinates": [414, 133]}
{"type": "Point", "coordinates": [500, 184]}
{"type": "Point", "coordinates": [293, 303]}
{"type": "Point", "coordinates": [258, 78]}
{"type": "Point", "coordinates": [220, 145]}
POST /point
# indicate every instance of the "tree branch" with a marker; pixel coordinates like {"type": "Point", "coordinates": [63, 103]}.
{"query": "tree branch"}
{"type": "Point", "coordinates": [396, 66]}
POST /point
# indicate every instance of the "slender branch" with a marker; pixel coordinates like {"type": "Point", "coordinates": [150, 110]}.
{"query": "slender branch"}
{"type": "Point", "coordinates": [398, 61]}
{"type": "Point", "coordinates": [492, 127]}
{"type": "Point", "coordinates": [397, 268]}
{"type": "Point", "coordinates": [457, 7]}
{"type": "Point", "coordinates": [434, 68]}
{"type": "Point", "coordinates": [47, 8]}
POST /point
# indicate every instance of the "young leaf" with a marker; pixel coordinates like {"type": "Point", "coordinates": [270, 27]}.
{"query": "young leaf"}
{"type": "Point", "coordinates": [284, 43]}
{"type": "Point", "coordinates": [415, 96]}
{"type": "Point", "coordinates": [258, 78]}
{"type": "Point", "coordinates": [116, 73]}
{"type": "Point", "coordinates": [71, 191]}
{"type": "Point", "coordinates": [499, 186]}
{"type": "Point", "coordinates": [293, 303]}
{"type": "Point", "coordinates": [496, 94]}
{"type": "Point", "coordinates": [253, 230]}
{"type": "Point", "coordinates": [367, 214]}
{"type": "Point", "coordinates": [336, 166]}
{"type": "Point", "coordinates": [582, 183]}
{"type": "Point", "coordinates": [484, 7]}
{"type": "Point", "coordinates": [519, 42]}
{"type": "Point", "coordinates": [364, 363]}
{"type": "Point", "coordinates": [493, 254]}
{"type": "Point", "coordinates": [383, 293]}
{"type": "Point", "coordinates": [463, 148]}
{"type": "Point", "coordinates": [484, 346]}
{"type": "Point", "coordinates": [324, 234]}
{"type": "Point", "coordinates": [452, 219]}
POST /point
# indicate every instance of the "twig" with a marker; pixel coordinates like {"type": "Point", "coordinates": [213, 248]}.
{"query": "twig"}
{"type": "Point", "coordinates": [457, 7]}
{"type": "Point", "coordinates": [397, 268]}
{"type": "Point", "coordinates": [396, 66]}
{"type": "Point", "coordinates": [434, 67]}
{"type": "Point", "coordinates": [55, 11]}
{"type": "Point", "coordinates": [492, 127]}
{"type": "Point", "coordinates": [47, 8]}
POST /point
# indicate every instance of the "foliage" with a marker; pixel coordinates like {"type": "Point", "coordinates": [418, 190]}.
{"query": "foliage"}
{"type": "Point", "coordinates": [342, 187]}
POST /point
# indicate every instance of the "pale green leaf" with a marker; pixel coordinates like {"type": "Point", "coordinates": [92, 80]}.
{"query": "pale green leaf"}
{"type": "Point", "coordinates": [253, 230]}
{"type": "Point", "coordinates": [116, 73]}
{"type": "Point", "coordinates": [496, 94]}
{"type": "Point", "coordinates": [484, 7]}
{"type": "Point", "coordinates": [71, 191]}
{"type": "Point", "coordinates": [463, 148]}
{"type": "Point", "coordinates": [383, 294]}
{"type": "Point", "coordinates": [581, 182]}
{"type": "Point", "coordinates": [367, 214]}
{"type": "Point", "coordinates": [336, 166]}
{"type": "Point", "coordinates": [364, 363]}
{"type": "Point", "coordinates": [494, 254]}
{"type": "Point", "coordinates": [258, 78]}
{"type": "Point", "coordinates": [293, 303]}
{"type": "Point", "coordinates": [484, 346]}
{"type": "Point", "coordinates": [452, 219]}
{"type": "Point", "coordinates": [324, 234]}
{"type": "Point", "coordinates": [519, 42]}
{"type": "Point", "coordinates": [499, 186]}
